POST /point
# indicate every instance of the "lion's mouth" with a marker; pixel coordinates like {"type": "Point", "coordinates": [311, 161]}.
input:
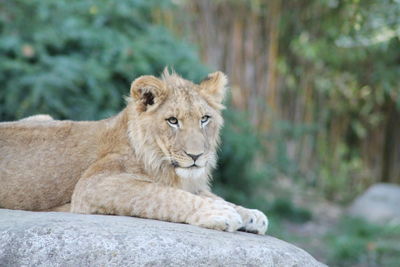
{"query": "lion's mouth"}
{"type": "Point", "coordinates": [193, 166]}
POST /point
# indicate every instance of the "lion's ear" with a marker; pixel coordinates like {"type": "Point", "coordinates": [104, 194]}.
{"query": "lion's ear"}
{"type": "Point", "coordinates": [215, 85]}
{"type": "Point", "coordinates": [148, 92]}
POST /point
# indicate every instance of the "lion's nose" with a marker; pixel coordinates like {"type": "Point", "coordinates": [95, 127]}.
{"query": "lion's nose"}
{"type": "Point", "coordinates": [194, 157]}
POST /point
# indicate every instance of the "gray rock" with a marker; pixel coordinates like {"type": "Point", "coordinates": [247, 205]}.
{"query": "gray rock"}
{"type": "Point", "coordinates": [66, 239]}
{"type": "Point", "coordinates": [379, 204]}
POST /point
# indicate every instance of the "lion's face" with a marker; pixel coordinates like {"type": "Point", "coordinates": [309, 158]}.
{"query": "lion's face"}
{"type": "Point", "coordinates": [180, 121]}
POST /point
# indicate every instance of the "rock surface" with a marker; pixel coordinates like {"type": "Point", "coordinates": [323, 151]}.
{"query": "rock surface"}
{"type": "Point", "coordinates": [379, 204]}
{"type": "Point", "coordinates": [66, 239]}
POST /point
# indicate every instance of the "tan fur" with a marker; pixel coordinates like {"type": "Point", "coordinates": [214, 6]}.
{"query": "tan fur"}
{"type": "Point", "coordinates": [39, 117]}
{"type": "Point", "coordinates": [136, 163]}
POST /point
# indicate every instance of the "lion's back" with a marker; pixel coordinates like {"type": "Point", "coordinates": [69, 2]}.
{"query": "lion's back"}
{"type": "Point", "coordinates": [39, 163]}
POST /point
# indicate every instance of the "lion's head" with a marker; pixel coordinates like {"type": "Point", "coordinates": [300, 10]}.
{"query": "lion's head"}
{"type": "Point", "coordinates": [176, 123]}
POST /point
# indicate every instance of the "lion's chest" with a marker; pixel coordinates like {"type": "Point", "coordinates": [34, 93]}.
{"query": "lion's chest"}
{"type": "Point", "coordinates": [194, 185]}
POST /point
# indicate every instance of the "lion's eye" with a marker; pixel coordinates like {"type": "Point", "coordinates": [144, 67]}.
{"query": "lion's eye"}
{"type": "Point", "coordinates": [172, 121]}
{"type": "Point", "coordinates": [205, 119]}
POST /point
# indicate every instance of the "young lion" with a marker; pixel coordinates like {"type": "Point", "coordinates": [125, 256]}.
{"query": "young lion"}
{"type": "Point", "coordinates": [152, 160]}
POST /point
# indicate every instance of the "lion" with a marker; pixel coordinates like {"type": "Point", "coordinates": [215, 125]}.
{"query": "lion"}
{"type": "Point", "coordinates": [152, 160]}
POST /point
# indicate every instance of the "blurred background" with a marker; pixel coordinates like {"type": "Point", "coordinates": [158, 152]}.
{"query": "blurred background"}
{"type": "Point", "coordinates": [313, 114]}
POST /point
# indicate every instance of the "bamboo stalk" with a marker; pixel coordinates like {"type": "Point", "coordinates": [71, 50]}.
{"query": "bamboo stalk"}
{"type": "Point", "coordinates": [273, 41]}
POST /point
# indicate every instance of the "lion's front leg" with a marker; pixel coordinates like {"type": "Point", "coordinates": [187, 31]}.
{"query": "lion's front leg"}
{"type": "Point", "coordinates": [122, 194]}
{"type": "Point", "coordinates": [254, 221]}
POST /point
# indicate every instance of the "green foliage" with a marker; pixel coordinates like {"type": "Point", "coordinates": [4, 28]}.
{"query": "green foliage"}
{"type": "Point", "coordinates": [282, 133]}
{"type": "Point", "coordinates": [353, 241]}
{"type": "Point", "coordinates": [338, 178]}
{"type": "Point", "coordinates": [285, 208]}
{"type": "Point", "coordinates": [238, 174]}
{"type": "Point", "coordinates": [76, 59]}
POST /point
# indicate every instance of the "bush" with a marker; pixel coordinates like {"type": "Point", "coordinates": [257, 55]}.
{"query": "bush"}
{"type": "Point", "coordinates": [285, 208]}
{"type": "Point", "coordinates": [356, 242]}
{"type": "Point", "coordinates": [238, 174]}
{"type": "Point", "coordinates": [76, 59]}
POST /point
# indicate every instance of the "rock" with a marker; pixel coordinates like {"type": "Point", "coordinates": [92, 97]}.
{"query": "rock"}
{"type": "Point", "coordinates": [379, 204]}
{"type": "Point", "coordinates": [66, 239]}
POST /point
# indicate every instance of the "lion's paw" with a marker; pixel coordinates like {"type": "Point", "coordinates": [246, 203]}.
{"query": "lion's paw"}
{"type": "Point", "coordinates": [254, 221]}
{"type": "Point", "coordinates": [217, 216]}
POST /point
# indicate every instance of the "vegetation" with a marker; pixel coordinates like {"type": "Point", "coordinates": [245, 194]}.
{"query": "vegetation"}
{"type": "Point", "coordinates": [354, 241]}
{"type": "Point", "coordinates": [315, 93]}
{"type": "Point", "coordinates": [76, 59]}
